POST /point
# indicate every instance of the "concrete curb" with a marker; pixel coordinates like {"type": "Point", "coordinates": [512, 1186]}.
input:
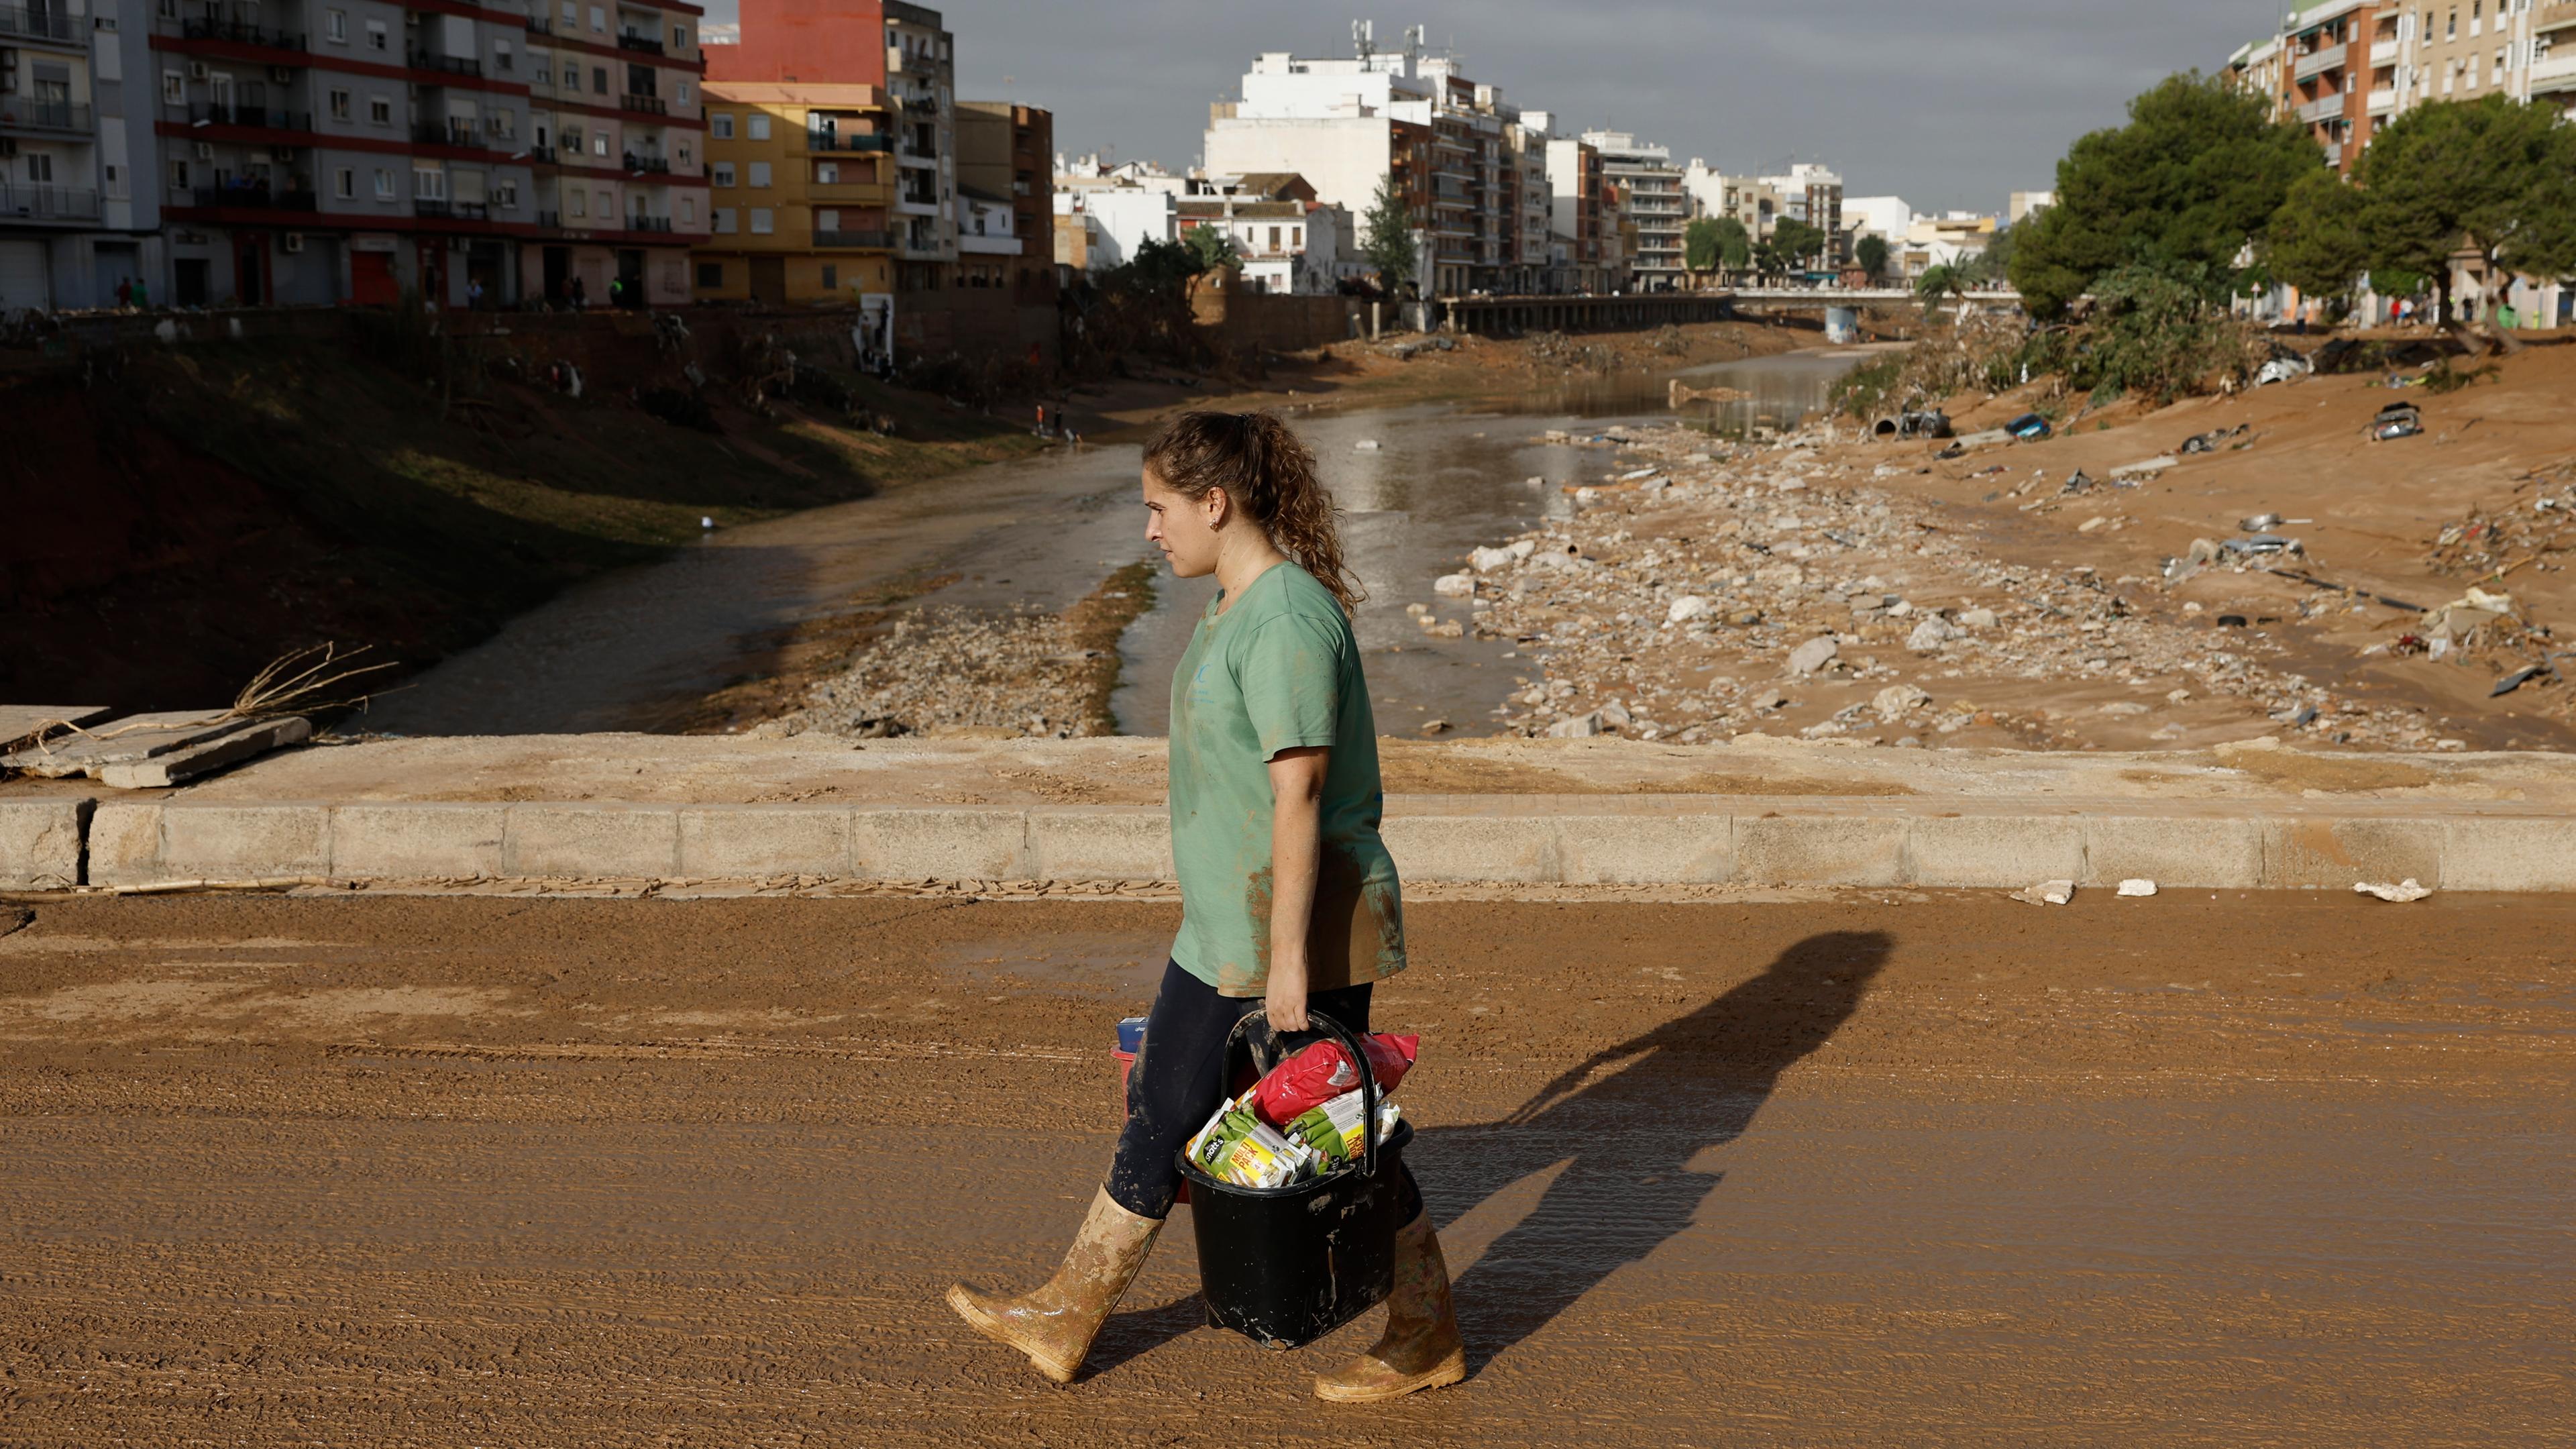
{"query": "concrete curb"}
{"type": "Point", "coordinates": [1805, 841]}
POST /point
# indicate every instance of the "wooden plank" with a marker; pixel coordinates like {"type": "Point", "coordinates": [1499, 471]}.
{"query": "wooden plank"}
{"type": "Point", "coordinates": [175, 767]}
{"type": "Point", "coordinates": [135, 737]}
{"type": "Point", "coordinates": [19, 723]}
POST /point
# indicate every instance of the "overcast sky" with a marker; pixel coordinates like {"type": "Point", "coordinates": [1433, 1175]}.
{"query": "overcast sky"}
{"type": "Point", "coordinates": [1948, 103]}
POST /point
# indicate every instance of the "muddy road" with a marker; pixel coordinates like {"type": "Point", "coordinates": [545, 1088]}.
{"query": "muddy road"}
{"type": "Point", "coordinates": [1844, 1170]}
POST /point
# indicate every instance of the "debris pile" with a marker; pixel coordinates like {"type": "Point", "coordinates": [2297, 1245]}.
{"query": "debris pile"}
{"type": "Point", "coordinates": [949, 669]}
{"type": "Point", "coordinates": [1693, 595]}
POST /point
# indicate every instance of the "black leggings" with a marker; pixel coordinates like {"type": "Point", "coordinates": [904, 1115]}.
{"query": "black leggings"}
{"type": "Point", "coordinates": [1179, 1078]}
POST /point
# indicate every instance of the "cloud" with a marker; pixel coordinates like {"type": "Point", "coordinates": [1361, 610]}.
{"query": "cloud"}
{"type": "Point", "coordinates": [1950, 104]}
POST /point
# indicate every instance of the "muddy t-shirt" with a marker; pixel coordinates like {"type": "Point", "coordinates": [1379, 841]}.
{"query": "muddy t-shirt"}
{"type": "Point", "coordinates": [1278, 671]}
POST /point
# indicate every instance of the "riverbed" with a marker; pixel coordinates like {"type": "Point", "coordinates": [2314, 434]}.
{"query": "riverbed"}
{"type": "Point", "coordinates": [639, 649]}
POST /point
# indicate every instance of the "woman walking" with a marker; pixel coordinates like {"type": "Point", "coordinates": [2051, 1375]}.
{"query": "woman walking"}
{"type": "Point", "coordinates": [1289, 900]}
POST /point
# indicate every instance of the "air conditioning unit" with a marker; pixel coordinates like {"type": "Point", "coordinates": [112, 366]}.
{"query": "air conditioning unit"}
{"type": "Point", "coordinates": [205, 150]}
{"type": "Point", "coordinates": [281, 73]}
{"type": "Point", "coordinates": [196, 70]}
{"type": "Point", "coordinates": [294, 242]}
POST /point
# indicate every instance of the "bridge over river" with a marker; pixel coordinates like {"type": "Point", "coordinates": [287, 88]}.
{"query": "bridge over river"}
{"type": "Point", "coordinates": [1492, 316]}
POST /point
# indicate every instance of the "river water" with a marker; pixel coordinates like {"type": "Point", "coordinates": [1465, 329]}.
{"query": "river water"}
{"type": "Point", "coordinates": [635, 649]}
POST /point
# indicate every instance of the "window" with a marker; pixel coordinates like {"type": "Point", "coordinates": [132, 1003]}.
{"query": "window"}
{"type": "Point", "coordinates": [680, 93]}
{"type": "Point", "coordinates": [504, 124]}
{"type": "Point", "coordinates": [335, 26]}
{"type": "Point", "coordinates": [375, 35]}
{"type": "Point", "coordinates": [758, 129]}
{"type": "Point", "coordinates": [710, 274]}
{"type": "Point", "coordinates": [384, 184]}
{"type": "Point", "coordinates": [724, 173]}
{"type": "Point", "coordinates": [576, 203]}
{"type": "Point", "coordinates": [380, 110]}
{"type": "Point", "coordinates": [40, 167]}
{"type": "Point", "coordinates": [679, 37]}
{"type": "Point", "coordinates": [827, 173]}
{"type": "Point", "coordinates": [599, 143]}
{"type": "Point", "coordinates": [339, 103]}
{"type": "Point", "coordinates": [681, 151]}
{"type": "Point", "coordinates": [760, 221]}
{"type": "Point", "coordinates": [544, 72]}
{"type": "Point", "coordinates": [719, 125]}
{"type": "Point", "coordinates": [598, 19]}
{"type": "Point", "coordinates": [112, 182]}
{"type": "Point", "coordinates": [174, 88]}
{"type": "Point", "coordinates": [599, 80]}
{"type": "Point", "coordinates": [502, 57]}
{"type": "Point", "coordinates": [169, 9]}
{"type": "Point", "coordinates": [344, 183]}
{"type": "Point", "coordinates": [689, 210]}
{"type": "Point", "coordinates": [831, 276]}
{"type": "Point", "coordinates": [571, 15]}
{"type": "Point", "coordinates": [428, 183]}
{"type": "Point", "coordinates": [506, 193]}
{"type": "Point", "coordinates": [827, 218]}
{"type": "Point", "coordinates": [759, 173]}
{"type": "Point", "coordinates": [723, 216]}
{"type": "Point", "coordinates": [179, 175]}
{"type": "Point", "coordinates": [607, 204]}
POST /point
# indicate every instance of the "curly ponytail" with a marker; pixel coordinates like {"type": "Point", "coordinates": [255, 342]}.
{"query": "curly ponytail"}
{"type": "Point", "coordinates": [1268, 474]}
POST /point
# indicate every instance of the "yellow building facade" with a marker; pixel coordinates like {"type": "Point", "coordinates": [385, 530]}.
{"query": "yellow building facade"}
{"type": "Point", "coordinates": [801, 182]}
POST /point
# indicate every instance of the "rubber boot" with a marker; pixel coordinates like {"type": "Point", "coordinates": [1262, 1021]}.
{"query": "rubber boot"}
{"type": "Point", "coordinates": [1054, 1326]}
{"type": "Point", "coordinates": [1420, 1348]}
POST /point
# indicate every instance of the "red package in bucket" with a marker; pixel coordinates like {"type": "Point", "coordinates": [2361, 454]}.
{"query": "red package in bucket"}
{"type": "Point", "coordinates": [1323, 1071]}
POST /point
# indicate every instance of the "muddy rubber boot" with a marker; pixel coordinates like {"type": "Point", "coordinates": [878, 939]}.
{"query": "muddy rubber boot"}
{"type": "Point", "coordinates": [1054, 1326]}
{"type": "Point", "coordinates": [1420, 1348]}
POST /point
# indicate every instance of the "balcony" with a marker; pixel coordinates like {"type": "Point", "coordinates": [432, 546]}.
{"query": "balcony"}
{"type": "Point", "coordinates": [19, 114]}
{"type": "Point", "coordinates": [17, 22]}
{"type": "Point", "coordinates": [2553, 74]}
{"type": "Point", "coordinates": [450, 64]}
{"type": "Point", "coordinates": [2383, 52]}
{"type": "Point", "coordinates": [540, 25]}
{"type": "Point", "coordinates": [255, 196]}
{"type": "Point", "coordinates": [203, 114]}
{"type": "Point", "coordinates": [2323, 108]}
{"type": "Point", "coordinates": [47, 203]}
{"type": "Point", "coordinates": [647, 165]}
{"type": "Point", "coordinates": [629, 40]}
{"type": "Point", "coordinates": [453, 133]}
{"type": "Point", "coordinates": [827, 141]}
{"type": "Point", "coordinates": [451, 210]}
{"type": "Point", "coordinates": [647, 105]}
{"type": "Point", "coordinates": [543, 156]}
{"type": "Point", "coordinates": [2383, 101]}
{"type": "Point", "coordinates": [2326, 58]}
{"type": "Point", "coordinates": [240, 34]}
{"type": "Point", "coordinates": [2334, 154]}
{"type": "Point", "coordinates": [648, 223]}
{"type": "Point", "coordinates": [874, 241]}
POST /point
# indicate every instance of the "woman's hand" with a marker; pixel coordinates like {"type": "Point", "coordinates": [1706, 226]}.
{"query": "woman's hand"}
{"type": "Point", "coordinates": [1286, 998]}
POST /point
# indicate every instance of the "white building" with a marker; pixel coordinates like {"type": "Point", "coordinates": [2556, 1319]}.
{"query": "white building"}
{"type": "Point", "coordinates": [1101, 227]}
{"type": "Point", "coordinates": [1656, 202]}
{"type": "Point", "coordinates": [1814, 194]}
{"type": "Point", "coordinates": [1284, 245]}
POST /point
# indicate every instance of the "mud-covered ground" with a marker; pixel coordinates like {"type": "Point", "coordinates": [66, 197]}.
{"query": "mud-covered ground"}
{"type": "Point", "coordinates": [1802, 1171]}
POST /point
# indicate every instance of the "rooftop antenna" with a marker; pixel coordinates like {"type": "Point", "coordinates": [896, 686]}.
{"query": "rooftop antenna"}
{"type": "Point", "coordinates": [1364, 37]}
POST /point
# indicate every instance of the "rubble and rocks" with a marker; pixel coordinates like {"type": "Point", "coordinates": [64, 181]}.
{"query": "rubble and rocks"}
{"type": "Point", "coordinates": [1755, 567]}
{"type": "Point", "coordinates": [948, 670]}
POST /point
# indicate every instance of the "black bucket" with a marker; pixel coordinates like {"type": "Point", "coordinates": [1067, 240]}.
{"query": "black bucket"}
{"type": "Point", "coordinates": [1283, 1266]}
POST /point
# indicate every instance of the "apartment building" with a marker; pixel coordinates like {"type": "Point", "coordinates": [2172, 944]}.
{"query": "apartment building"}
{"type": "Point", "coordinates": [74, 114]}
{"type": "Point", "coordinates": [616, 137]}
{"type": "Point", "coordinates": [320, 151]}
{"type": "Point", "coordinates": [2552, 73]}
{"type": "Point", "coordinates": [801, 180]}
{"type": "Point", "coordinates": [1004, 181]}
{"type": "Point", "coordinates": [1476, 171]}
{"type": "Point", "coordinates": [906, 53]}
{"type": "Point", "coordinates": [1650, 187]}
{"type": "Point", "coordinates": [1583, 238]}
{"type": "Point", "coordinates": [1814, 195]}
{"type": "Point", "coordinates": [1100, 221]}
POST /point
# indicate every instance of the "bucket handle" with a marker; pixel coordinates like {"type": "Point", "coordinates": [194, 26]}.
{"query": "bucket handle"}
{"type": "Point", "coordinates": [1359, 1062]}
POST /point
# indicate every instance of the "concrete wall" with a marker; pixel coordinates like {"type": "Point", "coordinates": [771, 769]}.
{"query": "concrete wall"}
{"type": "Point", "coordinates": [1236, 318]}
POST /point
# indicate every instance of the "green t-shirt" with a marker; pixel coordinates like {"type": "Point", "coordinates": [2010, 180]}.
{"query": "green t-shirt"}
{"type": "Point", "coordinates": [1278, 671]}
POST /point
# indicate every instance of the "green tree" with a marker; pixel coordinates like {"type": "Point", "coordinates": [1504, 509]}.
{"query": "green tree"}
{"type": "Point", "coordinates": [1702, 247]}
{"type": "Point", "coordinates": [1871, 253]}
{"type": "Point", "coordinates": [1993, 266]}
{"type": "Point", "coordinates": [2315, 242]}
{"type": "Point", "coordinates": [1159, 268]}
{"type": "Point", "coordinates": [2199, 170]}
{"type": "Point", "coordinates": [2160, 331]}
{"type": "Point", "coordinates": [1938, 282]}
{"type": "Point", "coordinates": [1386, 236]}
{"type": "Point", "coordinates": [1796, 240]}
{"type": "Point", "coordinates": [2489, 175]}
{"type": "Point", "coordinates": [1209, 247]}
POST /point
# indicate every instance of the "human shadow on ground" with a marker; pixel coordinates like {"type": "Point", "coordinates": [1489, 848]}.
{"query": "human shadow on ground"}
{"type": "Point", "coordinates": [1659, 1100]}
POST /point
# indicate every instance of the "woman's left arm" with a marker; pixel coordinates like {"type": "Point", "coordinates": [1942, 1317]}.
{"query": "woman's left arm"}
{"type": "Point", "coordinates": [1296, 855]}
